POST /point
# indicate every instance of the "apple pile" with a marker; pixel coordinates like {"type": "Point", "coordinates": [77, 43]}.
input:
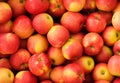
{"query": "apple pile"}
{"type": "Point", "coordinates": [59, 41]}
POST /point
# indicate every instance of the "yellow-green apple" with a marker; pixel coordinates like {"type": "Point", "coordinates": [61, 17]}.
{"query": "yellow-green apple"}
{"type": "Point", "coordinates": [104, 55]}
{"type": "Point", "coordinates": [110, 35]}
{"type": "Point", "coordinates": [37, 43]}
{"type": "Point", "coordinates": [6, 12]}
{"type": "Point", "coordinates": [102, 81]}
{"type": "Point", "coordinates": [74, 5]}
{"type": "Point", "coordinates": [116, 48]}
{"type": "Point", "coordinates": [56, 55]}
{"type": "Point", "coordinates": [6, 27]}
{"type": "Point", "coordinates": [87, 63]}
{"type": "Point", "coordinates": [116, 80]}
{"type": "Point", "coordinates": [46, 81]}
{"type": "Point", "coordinates": [90, 5]}
{"type": "Point", "coordinates": [72, 49]}
{"type": "Point", "coordinates": [95, 22]}
{"type": "Point", "coordinates": [42, 23]}
{"type": "Point", "coordinates": [113, 65]}
{"type": "Point", "coordinates": [115, 20]}
{"type": "Point", "coordinates": [18, 7]}
{"type": "Point", "coordinates": [19, 60]}
{"type": "Point", "coordinates": [9, 43]}
{"type": "Point", "coordinates": [56, 8]}
{"type": "Point", "coordinates": [92, 43]}
{"type": "Point", "coordinates": [36, 6]}
{"type": "Point", "coordinates": [6, 75]}
{"type": "Point", "coordinates": [4, 62]}
{"type": "Point", "coordinates": [25, 77]}
{"type": "Point", "coordinates": [73, 73]}
{"type": "Point", "coordinates": [58, 35]}
{"type": "Point", "coordinates": [73, 21]}
{"type": "Point", "coordinates": [106, 5]}
{"type": "Point", "coordinates": [101, 72]}
{"type": "Point", "coordinates": [22, 26]}
{"type": "Point", "coordinates": [56, 74]}
{"type": "Point", "coordinates": [39, 64]}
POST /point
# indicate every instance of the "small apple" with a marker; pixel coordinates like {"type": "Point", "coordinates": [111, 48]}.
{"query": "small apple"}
{"type": "Point", "coordinates": [90, 5]}
{"type": "Point", "coordinates": [4, 62]}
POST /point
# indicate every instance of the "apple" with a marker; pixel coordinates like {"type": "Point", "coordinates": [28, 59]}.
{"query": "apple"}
{"type": "Point", "coordinates": [56, 55]}
{"type": "Point", "coordinates": [116, 80]}
{"type": "Point", "coordinates": [56, 8]}
{"type": "Point", "coordinates": [116, 48]}
{"type": "Point", "coordinates": [90, 5]}
{"type": "Point", "coordinates": [102, 81]}
{"type": "Point", "coordinates": [37, 43]}
{"type": "Point", "coordinates": [36, 6]}
{"type": "Point", "coordinates": [22, 26]}
{"type": "Point", "coordinates": [60, 36]}
{"type": "Point", "coordinates": [19, 60]}
{"type": "Point", "coordinates": [101, 72]}
{"type": "Point", "coordinates": [6, 75]}
{"type": "Point", "coordinates": [73, 73]}
{"type": "Point", "coordinates": [56, 74]}
{"type": "Point", "coordinates": [74, 5]}
{"type": "Point", "coordinates": [87, 63]}
{"type": "Point", "coordinates": [46, 81]}
{"type": "Point", "coordinates": [113, 65]}
{"type": "Point", "coordinates": [4, 62]}
{"type": "Point", "coordinates": [39, 64]}
{"type": "Point", "coordinates": [106, 5]}
{"type": "Point", "coordinates": [92, 43]}
{"type": "Point", "coordinates": [110, 35]}
{"type": "Point", "coordinates": [6, 12]}
{"type": "Point", "coordinates": [104, 55]}
{"type": "Point", "coordinates": [117, 8]}
{"type": "Point", "coordinates": [6, 27]}
{"type": "Point", "coordinates": [25, 77]}
{"type": "Point", "coordinates": [95, 22]}
{"type": "Point", "coordinates": [9, 43]}
{"type": "Point", "coordinates": [18, 7]}
{"type": "Point", "coordinates": [73, 21]}
{"type": "Point", "coordinates": [42, 23]}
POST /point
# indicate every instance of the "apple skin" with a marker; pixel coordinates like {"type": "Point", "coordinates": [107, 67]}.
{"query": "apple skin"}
{"type": "Point", "coordinates": [60, 36]}
{"type": "Point", "coordinates": [101, 72]}
{"type": "Point", "coordinates": [9, 43]}
{"type": "Point", "coordinates": [104, 55]}
{"type": "Point", "coordinates": [98, 20]}
{"type": "Point", "coordinates": [113, 65]}
{"type": "Point", "coordinates": [46, 81]}
{"type": "Point", "coordinates": [6, 27]}
{"type": "Point", "coordinates": [116, 48]}
{"type": "Point", "coordinates": [4, 62]}
{"type": "Point", "coordinates": [87, 63]}
{"type": "Point", "coordinates": [56, 74]}
{"type": "Point", "coordinates": [19, 60]}
{"type": "Point", "coordinates": [56, 55]}
{"type": "Point", "coordinates": [25, 77]}
{"type": "Point", "coordinates": [56, 8]}
{"type": "Point", "coordinates": [90, 43]}
{"type": "Point", "coordinates": [42, 23]}
{"type": "Point", "coordinates": [36, 6]}
{"type": "Point", "coordinates": [6, 12]}
{"type": "Point", "coordinates": [22, 26]}
{"type": "Point", "coordinates": [116, 80]}
{"type": "Point", "coordinates": [90, 5]}
{"type": "Point", "coordinates": [73, 5]}
{"type": "Point", "coordinates": [37, 43]}
{"type": "Point", "coordinates": [68, 18]}
{"type": "Point", "coordinates": [110, 35]}
{"type": "Point", "coordinates": [117, 8]}
{"type": "Point", "coordinates": [39, 64]}
{"type": "Point", "coordinates": [18, 7]}
{"type": "Point", "coordinates": [106, 5]}
{"type": "Point", "coordinates": [6, 75]}
{"type": "Point", "coordinates": [102, 81]}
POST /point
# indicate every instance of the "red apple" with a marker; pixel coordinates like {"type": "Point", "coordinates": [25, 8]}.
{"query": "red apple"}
{"type": "Point", "coordinates": [46, 81]}
{"type": "Point", "coordinates": [92, 43]}
{"type": "Point", "coordinates": [37, 43]}
{"type": "Point", "coordinates": [101, 72]}
{"type": "Point", "coordinates": [22, 26]}
{"type": "Point", "coordinates": [73, 21]}
{"type": "Point", "coordinates": [36, 6]}
{"type": "Point", "coordinates": [116, 48]}
{"type": "Point", "coordinates": [4, 62]}
{"type": "Point", "coordinates": [42, 23]}
{"type": "Point", "coordinates": [39, 64]}
{"type": "Point", "coordinates": [74, 5]}
{"type": "Point", "coordinates": [60, 36]}
{"type": "Point", "coordinates": [6, 12]}
{"type": "Point", "coordinates": [9, 43]}
{"type": "Point", "coordinates": [90, 5]}
{"type": "Point", "coordinates": [19, 60]}
{"type": "Point", "coordinates": [116, 80]}
{"type": "Point", "coordinates": [25, 77]}
{"type": "Point", "coordinates": [102, 81]}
